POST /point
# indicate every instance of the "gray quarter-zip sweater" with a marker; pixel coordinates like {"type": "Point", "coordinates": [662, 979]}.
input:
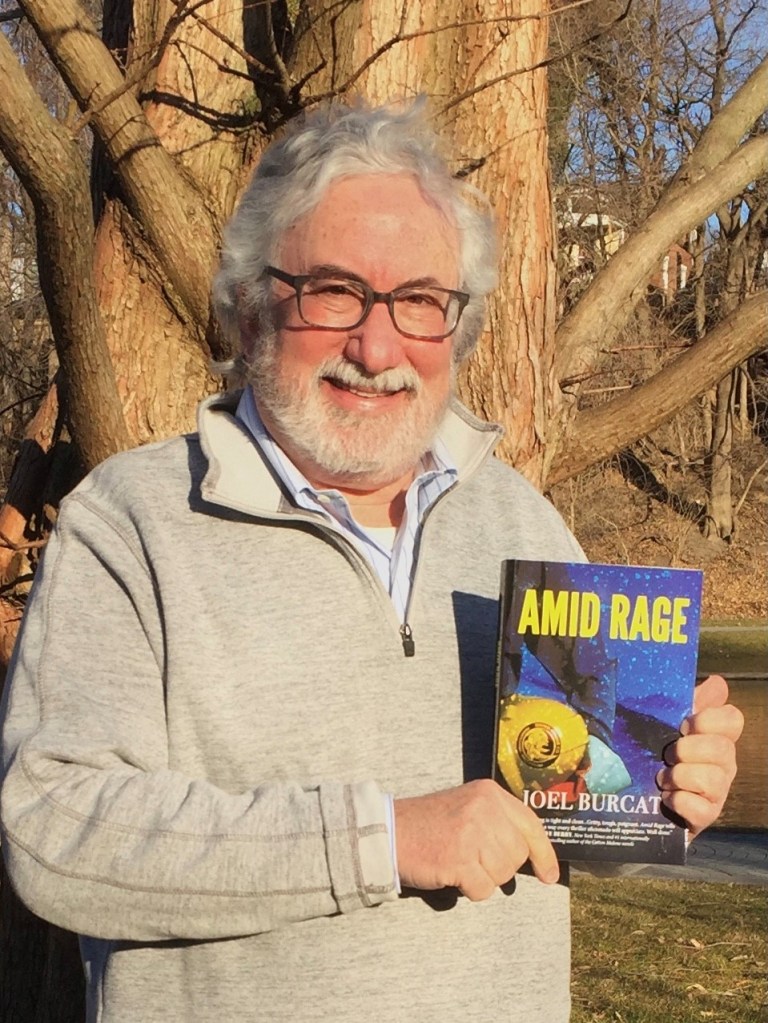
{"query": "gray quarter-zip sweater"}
{"type": "Point", "coordinates": [210, 697]}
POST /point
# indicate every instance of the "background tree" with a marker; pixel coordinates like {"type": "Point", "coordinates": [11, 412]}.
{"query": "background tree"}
{"type": "Point", "coordinates": [179, 97]}
{"type": "Point", "coordinates": [633, 107]}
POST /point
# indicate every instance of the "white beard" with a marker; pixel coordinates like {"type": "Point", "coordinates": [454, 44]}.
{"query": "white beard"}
{"type": "Point", "coordinates": [343, 445]}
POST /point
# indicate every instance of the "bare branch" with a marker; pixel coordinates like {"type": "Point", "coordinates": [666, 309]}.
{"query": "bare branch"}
{"type": "Point", "coordinates": [164, 201]}
{"type": "Point", "coordinates": [723, 133]}
{"type": "Point", "coordinates": [243, 54]}
{"type": "Point", "coordinates": [541, 64]}
{"type": "Point", "coordinates": [608, 302]}
{"type": "Point", "coordinates": [21, 401]}
{"type": "Point", "coordinates": [51, 171]}
{"type": "Point", "coordinates": [139, 69]}
{"type": "Point", "coordinates": [750, 481]}
{"type": "Point", "coordinates": [600, 432]}
{"type": "Point", "coordinates": [280, 70]}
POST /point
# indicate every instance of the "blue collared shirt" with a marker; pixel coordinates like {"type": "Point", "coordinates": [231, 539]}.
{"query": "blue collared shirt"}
{"type": "Point", "coordinates": [393, 563]}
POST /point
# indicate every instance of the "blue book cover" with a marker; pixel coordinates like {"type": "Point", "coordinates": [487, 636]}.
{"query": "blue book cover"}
{"type": "Point", "coordinates": [596, 670]}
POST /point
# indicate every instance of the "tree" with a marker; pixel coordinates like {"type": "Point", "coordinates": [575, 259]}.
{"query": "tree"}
{"type": "Point", "coordinates": [642, 106]}
{"type": "Point", "coordinates": [182, 96]}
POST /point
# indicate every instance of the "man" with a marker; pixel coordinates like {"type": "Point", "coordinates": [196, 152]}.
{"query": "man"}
{"type": "Point", "coordinates": [253, 691]}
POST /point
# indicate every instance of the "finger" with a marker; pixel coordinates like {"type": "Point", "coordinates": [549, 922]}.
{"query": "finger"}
{"type": "Point", "coordinates": [712, 692]}
{"type": "Point", "coordinates": [476, 884]}
{"type": "Point", "coordinates": [540, 851]}
{"type": "Point", "coordinates": [710, 781]}
{"type": "Point", "coordinates": [503, 851]}
{"type": "Point", "coordinates": [697, 812]}
{"type": "Point", "coordinates": [727, 721]}
{"type": "Point", "coordinates": [702, 749]}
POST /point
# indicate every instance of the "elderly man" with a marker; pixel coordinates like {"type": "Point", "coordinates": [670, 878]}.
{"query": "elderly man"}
{"type": "Point", "coordinates": [251, 710]}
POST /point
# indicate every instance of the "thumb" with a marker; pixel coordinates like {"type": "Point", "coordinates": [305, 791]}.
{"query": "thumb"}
{"type": "Point", "coordinates": [712, 692]}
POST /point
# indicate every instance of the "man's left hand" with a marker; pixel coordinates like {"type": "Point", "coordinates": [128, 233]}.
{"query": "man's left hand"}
{"type": "Point", "coordinates": [702, 763]}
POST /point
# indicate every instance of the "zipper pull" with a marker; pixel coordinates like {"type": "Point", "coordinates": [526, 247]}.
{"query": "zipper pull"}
{"type": "Point", "coordinates": [409, 647]}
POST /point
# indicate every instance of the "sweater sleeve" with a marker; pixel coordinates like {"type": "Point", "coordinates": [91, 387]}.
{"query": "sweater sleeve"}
{"type": "Point", "coordinates": [101, 837]}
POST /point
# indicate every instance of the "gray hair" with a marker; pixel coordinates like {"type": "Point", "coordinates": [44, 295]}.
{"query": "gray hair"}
{"type": "Point", "coordinates": [293, 175]}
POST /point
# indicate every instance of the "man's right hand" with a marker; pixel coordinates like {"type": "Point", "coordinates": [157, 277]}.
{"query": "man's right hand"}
{"type": "Point", "coordinates": [474, 837]}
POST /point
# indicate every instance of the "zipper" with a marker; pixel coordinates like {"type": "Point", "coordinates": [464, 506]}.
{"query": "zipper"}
{"type": "Point", "coordinates": [409, 647]}
{"type": "Point", "coordinates": [406, 633]}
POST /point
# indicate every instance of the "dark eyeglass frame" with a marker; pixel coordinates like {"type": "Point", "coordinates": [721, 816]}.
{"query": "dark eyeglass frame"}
{"type": "Point", "coordinates": [299, 281]}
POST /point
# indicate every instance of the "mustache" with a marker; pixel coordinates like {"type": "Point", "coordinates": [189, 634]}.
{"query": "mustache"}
{"type": "Point", "coordinates": [338, 368]}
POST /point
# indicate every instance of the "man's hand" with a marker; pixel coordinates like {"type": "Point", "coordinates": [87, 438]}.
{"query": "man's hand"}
{"type": "Point", "coordinates": [702, 764]}
{"type": "Point", "coordinates": [474, 837]}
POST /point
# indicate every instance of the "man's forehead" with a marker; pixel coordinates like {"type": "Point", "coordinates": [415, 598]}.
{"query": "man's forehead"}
{"type": "Point", "coordinates": [373, 220]}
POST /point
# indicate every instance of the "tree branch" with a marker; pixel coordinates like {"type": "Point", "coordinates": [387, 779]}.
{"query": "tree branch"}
{"type": "Point", "coordinates": [723, 134]}
{"type": "Point", "coordinates": [600, 432]}
{"type": "Point", "coordinates": [750, 481]}
{"type": "Point", "coordinates": [166, 204]}
{"type": "Point", "coordinates": [139, 68]}
{"type": "Point", "coordinates": [608, 301]}
{"type": "Point", "coordinates": [50, 168]}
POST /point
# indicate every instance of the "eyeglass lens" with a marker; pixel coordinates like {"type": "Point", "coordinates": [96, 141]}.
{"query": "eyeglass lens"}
{"type": "Point", "coordinates": [340, 304]}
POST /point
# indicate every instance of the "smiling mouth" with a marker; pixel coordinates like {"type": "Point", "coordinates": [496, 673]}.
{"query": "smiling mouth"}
{"type": "Point", "coordinates": [363, 392]}
{"type": "Point", "coordinates": [342, 374]}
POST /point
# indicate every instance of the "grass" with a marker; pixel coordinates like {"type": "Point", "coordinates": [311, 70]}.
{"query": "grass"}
{"type": "Point", "coordinates": [647, 951]}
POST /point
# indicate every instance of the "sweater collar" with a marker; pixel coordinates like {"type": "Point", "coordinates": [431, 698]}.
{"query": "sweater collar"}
{"type": "Point", "coordinates": [239, 477]}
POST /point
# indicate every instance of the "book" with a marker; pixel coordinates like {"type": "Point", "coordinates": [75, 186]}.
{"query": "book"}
{"type": "Point", "coordinates": [596, 668]}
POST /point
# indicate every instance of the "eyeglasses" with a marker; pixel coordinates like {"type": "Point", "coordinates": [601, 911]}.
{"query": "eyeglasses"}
{"type": "Point", "coordinates": [337, 302]}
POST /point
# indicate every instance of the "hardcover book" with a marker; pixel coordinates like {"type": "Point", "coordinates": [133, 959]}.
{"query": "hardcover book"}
{"type": "Point", "coordinates": [596, 669]}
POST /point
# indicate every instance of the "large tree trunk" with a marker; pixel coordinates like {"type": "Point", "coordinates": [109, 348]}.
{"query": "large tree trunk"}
{"type": "Point", "coordinates": [492, 111]}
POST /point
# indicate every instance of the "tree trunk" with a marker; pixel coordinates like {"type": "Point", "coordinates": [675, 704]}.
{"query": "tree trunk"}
{"type": "Point", "coordinates": [719, 521]}
{"type": "Point", "coordinates": [743, 419]}
{"type": "Point", "coordinates": [492, 113]}
{"type": "Point", "coordinates": [606, 429]}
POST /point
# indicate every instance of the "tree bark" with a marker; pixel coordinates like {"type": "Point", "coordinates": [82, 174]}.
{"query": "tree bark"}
{"type": "Point", "coordinates": [166, 203]}
{"type": "Point", "coordinates": [719, 522]}
{"type": "Point", "coordinates": [51, 170]}
{"type": "Point", "coordinates": [475, 60]}
{"type": "Point", "coordinates": [600, 432]}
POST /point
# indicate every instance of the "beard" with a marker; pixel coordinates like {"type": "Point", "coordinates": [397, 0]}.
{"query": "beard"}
{"type": "Point", "coordinates": [344, 446]}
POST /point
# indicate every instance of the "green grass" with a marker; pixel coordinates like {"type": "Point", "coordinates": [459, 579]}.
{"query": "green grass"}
{"type": "Point", "coordinates": [648, 951]}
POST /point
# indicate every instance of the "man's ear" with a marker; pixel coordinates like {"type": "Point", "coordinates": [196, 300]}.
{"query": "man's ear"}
{"type": "Point", "coordinates": [249, 332]}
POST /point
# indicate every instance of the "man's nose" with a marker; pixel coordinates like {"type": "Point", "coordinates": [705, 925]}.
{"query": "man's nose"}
{"type": "Point", "coordinates": [376, 345]}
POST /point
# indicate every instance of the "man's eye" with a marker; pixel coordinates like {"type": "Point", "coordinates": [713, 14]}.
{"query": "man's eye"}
{"type": "Point", "coordinates": [420, 298]}
{"type": "Point", "coordinates": [332, 289]}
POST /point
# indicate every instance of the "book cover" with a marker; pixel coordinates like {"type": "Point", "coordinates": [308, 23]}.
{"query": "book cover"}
{"type": "Point", "coordinates": [595, 672]}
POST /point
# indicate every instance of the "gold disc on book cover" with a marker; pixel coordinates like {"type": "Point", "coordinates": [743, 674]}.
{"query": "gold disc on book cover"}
{"type": "Point", "coordinates": [541, 742]}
